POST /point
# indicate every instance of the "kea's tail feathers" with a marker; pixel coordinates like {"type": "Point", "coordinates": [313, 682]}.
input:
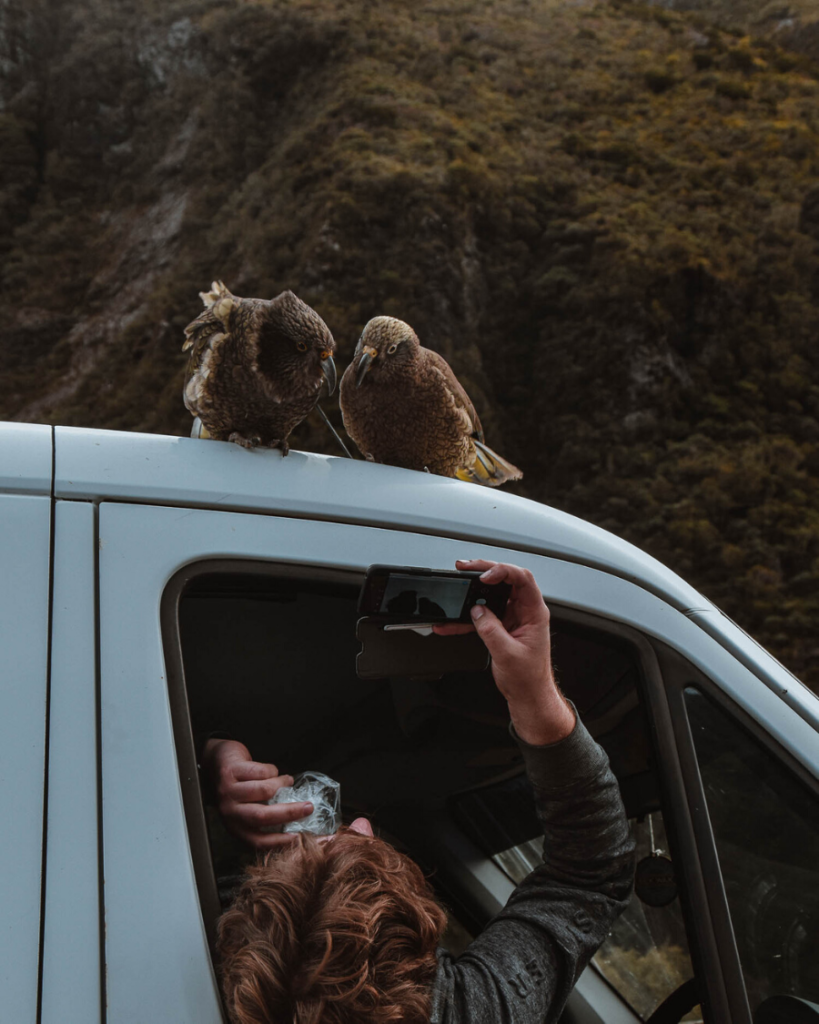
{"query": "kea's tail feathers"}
{"type": "Point", "coordinates": [489, 468]}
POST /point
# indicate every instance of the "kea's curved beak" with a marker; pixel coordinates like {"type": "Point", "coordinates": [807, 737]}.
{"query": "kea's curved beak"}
{"type": "Point", "coordinates": [367, 357]}
{"type": "Point", "coordinates": [328, 368]}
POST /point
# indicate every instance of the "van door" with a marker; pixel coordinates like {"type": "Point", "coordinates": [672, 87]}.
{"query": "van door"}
{"type": "Point", "coordinates": [25, 540]}
{"type": "Point", "coordinates": [71, 975]}
{"type": "Point", "coordinates": [751, 770]}
{"type": "Point", "coordinates": [157, 953]}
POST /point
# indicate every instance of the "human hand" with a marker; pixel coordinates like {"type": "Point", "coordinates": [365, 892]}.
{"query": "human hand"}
{"type": "Point", "coordinates": [521, 653]}
{"type": "Point", "coordinates": [242, 786]}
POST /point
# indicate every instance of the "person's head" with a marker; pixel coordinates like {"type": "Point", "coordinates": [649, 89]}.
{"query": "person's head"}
{"type": "Point", "coordinates": [336, 932]}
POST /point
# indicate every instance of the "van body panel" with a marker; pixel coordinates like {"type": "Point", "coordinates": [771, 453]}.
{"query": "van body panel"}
{"type": "Point", "coordinates": [147, 850]}
{"type": "Point", "coordinates": [157, 960]}
{"type": "Point", "coordinates": [108, 781]}
{"type": "Point", "coordinates": [26, 458]}
{"type": "Point", "coordinates": [25, 540]}
{"type": "Point", "coordinates": [100, 464]}
{"type": "Point", "coordinates": [71, 938]}
{"type": "Point", "coordinates": [783, 682]}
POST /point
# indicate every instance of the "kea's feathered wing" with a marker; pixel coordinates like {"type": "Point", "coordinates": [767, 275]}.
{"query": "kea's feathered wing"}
{"type": "Point", "coordinates": [255, 366]}
{"type": "Point", "coordinates": [402, 405]}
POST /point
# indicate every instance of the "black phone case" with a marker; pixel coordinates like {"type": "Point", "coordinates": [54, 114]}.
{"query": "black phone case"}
{"type": "Point", "coordinates": [405, 653]}
{"type": "Point", "coordinates": [493, 595]}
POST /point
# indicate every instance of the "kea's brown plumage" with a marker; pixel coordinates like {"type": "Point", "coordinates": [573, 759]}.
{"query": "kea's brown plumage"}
{"type": "Point", "coordinates": [256, 366]}
{"type": "Point", "coordinates": [402, 405]}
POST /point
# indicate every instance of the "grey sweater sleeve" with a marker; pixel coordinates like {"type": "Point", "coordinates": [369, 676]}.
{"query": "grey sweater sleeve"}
{"type": "Point", "coordinates": [522, 967]}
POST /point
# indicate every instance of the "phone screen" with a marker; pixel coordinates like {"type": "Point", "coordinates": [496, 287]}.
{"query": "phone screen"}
{"type": "Point", "coordinates": [425, 598]}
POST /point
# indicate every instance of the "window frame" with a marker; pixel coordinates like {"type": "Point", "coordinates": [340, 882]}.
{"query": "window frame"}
{"type": "Point", "coordinates": [713, 950]}
{"type": "Point", "coordinates": [193, 796]}
{"type": "Point", "coordinates": [680, 674]}
{"type": "Point", "coordinates": [712, 945]}
{"type": "Point", "coordinates": [701, 815]}
{"type": "Point", "coordinates": [146, 841]}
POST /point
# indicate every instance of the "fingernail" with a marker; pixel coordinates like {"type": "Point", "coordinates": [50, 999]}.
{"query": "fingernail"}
{"type": "Point", "coordinates": [307, 808]}
{"type": "Point", "coordinates": [488, 573]}
{"type": "Point", "coordinates": [477, 611]}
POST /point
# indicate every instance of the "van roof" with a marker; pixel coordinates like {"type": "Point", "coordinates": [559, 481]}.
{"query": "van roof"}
{"type": "Point", "coordinates": [157, 469]}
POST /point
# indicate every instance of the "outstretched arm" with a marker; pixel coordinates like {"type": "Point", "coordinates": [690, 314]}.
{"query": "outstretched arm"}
{"type": "Point", "coordinates": [525, 963]}
{"type": "Point", "coordinates": [521, 654]}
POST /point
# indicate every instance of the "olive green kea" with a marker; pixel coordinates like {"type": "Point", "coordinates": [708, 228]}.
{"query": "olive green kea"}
{"type": "Point", "coordinates": [255, 367]}
{"type": "Point", "coordinates": [402, 405]}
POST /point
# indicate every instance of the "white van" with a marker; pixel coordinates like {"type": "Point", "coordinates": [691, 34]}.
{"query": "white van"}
{"type": "Point", "coordinates": [153, 589]}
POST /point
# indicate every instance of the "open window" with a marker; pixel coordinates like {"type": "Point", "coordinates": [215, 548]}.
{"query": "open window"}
{"type": "Point", "coordinates": [266, 653]}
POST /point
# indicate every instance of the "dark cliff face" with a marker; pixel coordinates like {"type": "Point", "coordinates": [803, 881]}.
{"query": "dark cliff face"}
{"type": "Point", "coordinates": [604, 216]}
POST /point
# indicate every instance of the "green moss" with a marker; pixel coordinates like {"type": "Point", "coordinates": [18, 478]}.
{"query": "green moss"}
{"type": "Point", "coordinates": [732, 89]}
{"type": "Point", "coordinates": [659, 80]}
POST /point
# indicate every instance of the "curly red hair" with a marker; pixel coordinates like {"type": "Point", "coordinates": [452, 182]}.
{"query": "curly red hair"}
{"type": "Point", "coordinates": [334, 932]}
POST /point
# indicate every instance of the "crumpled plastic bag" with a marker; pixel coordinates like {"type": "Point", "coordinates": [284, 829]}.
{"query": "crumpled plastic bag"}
{"type": "Point", "coordinates": [323, 793]}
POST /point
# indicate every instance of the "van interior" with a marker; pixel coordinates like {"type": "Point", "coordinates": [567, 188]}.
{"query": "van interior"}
{"type": "Point", "coordinates": [267, 655]}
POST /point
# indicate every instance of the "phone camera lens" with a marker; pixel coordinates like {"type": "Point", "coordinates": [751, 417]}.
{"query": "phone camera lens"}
{"type": "Point", "coordinates": [481, 600]}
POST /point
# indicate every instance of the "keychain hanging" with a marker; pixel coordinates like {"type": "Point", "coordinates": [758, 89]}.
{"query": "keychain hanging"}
{"type": "Point", "coordinates": [654, 880]}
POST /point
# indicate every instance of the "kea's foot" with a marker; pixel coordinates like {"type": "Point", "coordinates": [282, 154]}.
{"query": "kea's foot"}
{"type": "Point", "coordinates": [245, 442]}
{"type": "Point", "coordinates": [283, 445]}
{"type": "Point", "coordinates": [368, 457]}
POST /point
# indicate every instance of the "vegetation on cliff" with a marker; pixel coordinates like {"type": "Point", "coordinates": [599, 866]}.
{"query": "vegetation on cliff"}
{"type": "Point", "coordinates": [604, 215]}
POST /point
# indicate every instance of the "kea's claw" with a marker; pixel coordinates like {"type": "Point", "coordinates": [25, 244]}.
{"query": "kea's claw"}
{"type": "Point", "coordinates": [245, 442]}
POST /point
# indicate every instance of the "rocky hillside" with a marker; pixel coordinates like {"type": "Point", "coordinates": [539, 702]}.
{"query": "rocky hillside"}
{"type": "Point", "coordinates": [788, 23]}
{"type": "Point", "coordinates": [604, 215]}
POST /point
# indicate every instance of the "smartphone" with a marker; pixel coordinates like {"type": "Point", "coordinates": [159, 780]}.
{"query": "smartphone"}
{"type": "Point", "coordinates": [409, 594]}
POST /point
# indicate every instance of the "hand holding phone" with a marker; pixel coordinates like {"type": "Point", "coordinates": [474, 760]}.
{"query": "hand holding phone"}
{"type": "Point", "coordinates": [397, 607]}
{"type": "Point", "coordinates": [415, 596]}
{"type": "Point", "coordinates": [519, 644]}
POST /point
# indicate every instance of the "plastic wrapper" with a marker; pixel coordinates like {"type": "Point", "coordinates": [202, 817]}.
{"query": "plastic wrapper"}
{"type": "Point", "coordinates": [323, 793]}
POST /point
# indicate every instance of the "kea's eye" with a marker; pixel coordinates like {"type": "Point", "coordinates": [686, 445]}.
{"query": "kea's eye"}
{"type": "Point", "coordinates": [301, 346]}
{"type": "Point", "coordinates": [392, 349]}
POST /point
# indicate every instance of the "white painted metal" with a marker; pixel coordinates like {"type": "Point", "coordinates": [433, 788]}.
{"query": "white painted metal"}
{"type": "Point", "coordinates": [71, 946]}
{"type": "Point", "coordinates": [784, 683]}
{"type": "Point", "coordinates": [100, 464]}
{"type": "Point", "coordinates": [25, 458]}
{"type": "Point", "coordinates": [25, 523]}
{"type": "Point", "coordinates": [153, 922]}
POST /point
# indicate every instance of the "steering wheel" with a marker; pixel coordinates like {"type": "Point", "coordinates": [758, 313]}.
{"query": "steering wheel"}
{"type": "Point", "coordinates": [672, 1009]}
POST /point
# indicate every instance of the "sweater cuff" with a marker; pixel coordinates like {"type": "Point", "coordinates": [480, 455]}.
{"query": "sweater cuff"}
{"type": "Point", "coordinates": [554, 766]}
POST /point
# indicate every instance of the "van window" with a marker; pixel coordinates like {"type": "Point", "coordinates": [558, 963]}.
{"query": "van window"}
{"type": "Point", "coordinates": [268, 656]}
{"type": "Point", "coordinates": [646, 957]}
{"type": "Point", "coordinates": [270, 660]}
{"type": "Point", "coordinates": [766, 827]}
